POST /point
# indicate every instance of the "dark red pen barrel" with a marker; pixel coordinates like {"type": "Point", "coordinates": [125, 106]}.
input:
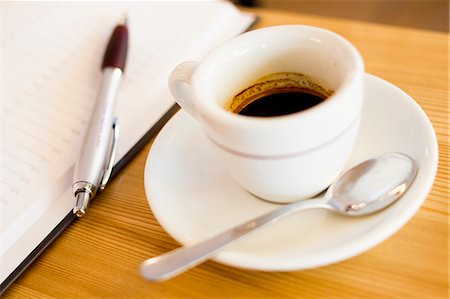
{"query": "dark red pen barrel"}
{"type": "Point", "coordinates": [116, 51]}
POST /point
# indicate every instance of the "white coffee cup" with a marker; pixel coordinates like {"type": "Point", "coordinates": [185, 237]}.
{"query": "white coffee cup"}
{"type": "Point", "coordinates": [282, 158]}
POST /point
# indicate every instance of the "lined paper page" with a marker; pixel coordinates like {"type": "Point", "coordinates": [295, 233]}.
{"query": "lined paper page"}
{"type": "Point", "coordinates": [51, 55]}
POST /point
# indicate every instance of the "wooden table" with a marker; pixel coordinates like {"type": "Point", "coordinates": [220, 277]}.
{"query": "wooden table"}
{"type": "Point", "coordinates": [99, 256]}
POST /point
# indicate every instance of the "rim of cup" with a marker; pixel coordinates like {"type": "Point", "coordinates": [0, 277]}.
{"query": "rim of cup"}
{"type": "Point", "coordinates": [218, 112]}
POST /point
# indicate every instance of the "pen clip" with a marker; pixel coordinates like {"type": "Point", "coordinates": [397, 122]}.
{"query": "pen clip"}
{"type": "Point", "coordinates": [112, 156]}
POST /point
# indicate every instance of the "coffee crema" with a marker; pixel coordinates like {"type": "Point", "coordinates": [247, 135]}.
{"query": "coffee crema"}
{"type": "Point", "coordinates": [278, 94]}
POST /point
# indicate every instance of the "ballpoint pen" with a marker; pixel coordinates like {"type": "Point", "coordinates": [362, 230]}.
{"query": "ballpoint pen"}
{"type": "Point", "coordinates": [94, 166]}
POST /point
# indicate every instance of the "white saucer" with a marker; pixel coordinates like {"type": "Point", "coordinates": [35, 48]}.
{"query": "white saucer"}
{"type": "Point", "coordinates": [193, 198]}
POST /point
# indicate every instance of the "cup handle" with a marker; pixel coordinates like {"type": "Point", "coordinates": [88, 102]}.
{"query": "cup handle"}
{"type": "Point", "coordinates": [180, 86]}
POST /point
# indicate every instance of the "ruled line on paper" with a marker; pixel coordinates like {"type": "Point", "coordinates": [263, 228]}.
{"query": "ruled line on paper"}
{"type": "Point", "coordinates": [34, 122]}
{"type": "Point", "coordinates": [61, 108]}
{"type": "Point", "coordinates": [22, 177]}
{"type": "Point", "coordinates": [14, 189]}
{"type": "Point", "coordinates": [16, 128]}
{"type": "Point", "coordinates": [45, 113]}
{"type": "Point", "coordinates": [26, 147]}
{"type": "Point", "coordinates": [4, 201]}
{"type": "Point", "coordinates": [32, 167]}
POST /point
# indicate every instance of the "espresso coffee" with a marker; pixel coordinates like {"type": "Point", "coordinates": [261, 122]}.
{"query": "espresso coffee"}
{"type": "Point", "coordinates": [278, 94]}
{"type": "Point", "coordinates": [281, 103]}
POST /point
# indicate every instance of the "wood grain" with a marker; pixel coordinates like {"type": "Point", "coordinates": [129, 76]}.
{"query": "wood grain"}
{"type": "Point", "coordinates": [99, 256]}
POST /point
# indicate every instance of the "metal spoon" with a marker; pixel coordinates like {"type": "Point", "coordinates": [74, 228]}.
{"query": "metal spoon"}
{"type": "Point", "coordinates": [364, 189]}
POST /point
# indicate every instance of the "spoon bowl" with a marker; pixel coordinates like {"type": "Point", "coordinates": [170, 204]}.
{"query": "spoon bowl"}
{"type": "Point", "coordinates": [372, 185]}
{"type": "Point", "coordinates": [369, 187]}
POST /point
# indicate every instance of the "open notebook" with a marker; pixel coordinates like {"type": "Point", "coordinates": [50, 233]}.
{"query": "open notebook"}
{"type": "Point", "coordinates": [51, 56]}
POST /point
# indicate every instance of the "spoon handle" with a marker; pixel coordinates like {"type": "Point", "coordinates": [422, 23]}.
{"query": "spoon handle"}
{"type": "Point", "coordinates": [177, 261]}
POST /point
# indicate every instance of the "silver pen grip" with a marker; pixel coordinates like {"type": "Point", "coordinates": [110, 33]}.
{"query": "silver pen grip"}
{"type": "Point", "coordinates": [97, 142]}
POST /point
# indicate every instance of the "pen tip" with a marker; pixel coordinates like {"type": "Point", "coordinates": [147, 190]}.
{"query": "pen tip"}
{"type": "Point", "coordinates": [79, 212]}
{"type": "Point", "coordinates": [82, 203]}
